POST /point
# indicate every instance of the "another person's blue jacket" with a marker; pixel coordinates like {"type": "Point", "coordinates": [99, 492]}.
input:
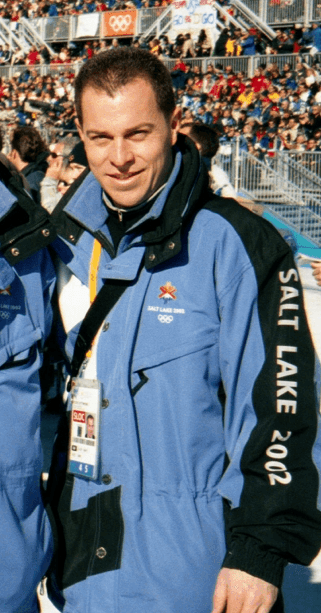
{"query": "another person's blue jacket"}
{"type": "Point", "coordinates": [25, 319]}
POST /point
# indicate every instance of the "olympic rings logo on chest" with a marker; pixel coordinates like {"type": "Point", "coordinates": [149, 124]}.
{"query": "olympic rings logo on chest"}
{"type": "Point", "coordinates": [165, 319]}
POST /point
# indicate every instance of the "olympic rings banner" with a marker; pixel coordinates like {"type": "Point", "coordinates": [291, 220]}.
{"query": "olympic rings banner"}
{"type": "Point", "coordinates": [119, 23]}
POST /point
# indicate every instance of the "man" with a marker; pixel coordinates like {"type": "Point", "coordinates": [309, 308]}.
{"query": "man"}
{"type": "Point", "coordinates": [29, 154]}
{"type": "Point", "coordinates": [316, 38]}
{"type": "Point", "coordinates": [67, 161]}
{"type": "Point", "coordinates": [26, 280]}
{"type": "Point", "coordinates": [206, 139]}
{"type": "Point", "coordinates": [204, 367]}
{"type": "Point", "coordinates": [248, 42]}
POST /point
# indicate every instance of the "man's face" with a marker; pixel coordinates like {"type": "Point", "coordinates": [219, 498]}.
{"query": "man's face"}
{"type": "Point", "coordinates": [90, 427]}
{"type": "Point", "coordinates": [128, 141]}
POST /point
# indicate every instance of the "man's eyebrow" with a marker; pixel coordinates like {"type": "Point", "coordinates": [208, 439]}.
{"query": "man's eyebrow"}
{"type": "Point", "coordinates": [128, 131]}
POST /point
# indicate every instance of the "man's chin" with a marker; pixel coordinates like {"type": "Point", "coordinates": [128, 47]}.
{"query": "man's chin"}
{"type": "Point", "coordinates": [126, 200]}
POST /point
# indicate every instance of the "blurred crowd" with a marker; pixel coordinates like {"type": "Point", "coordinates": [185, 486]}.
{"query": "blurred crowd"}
{"type": "Point", "coordinates": [276, 109]}
{"type": "Point", "coordinates": [15, 9]}
{"type": "Point", "coordinates": [232, 41]}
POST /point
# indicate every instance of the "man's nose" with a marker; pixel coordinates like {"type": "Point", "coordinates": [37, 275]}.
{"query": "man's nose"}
{"type": "Point", "coordinates": [120, 153]}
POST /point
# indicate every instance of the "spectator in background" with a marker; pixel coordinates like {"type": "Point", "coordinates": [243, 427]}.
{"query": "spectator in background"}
{"type": "Point", "coordinates": [29, 154]}
{"type": "Point", "coordinates": [248, 42]}
{"type": "Point", "coordinates": [247, 96]}
{"type": "Point", "coordinates": [7, 54]}
{"type": "Point", "coordinates": [203, 45]}
{"type": "Point", "coordinates": [67, 161]}
{"type": "Point", "coordinates": [286, 44]}
{"type": "Point", "coordinates": [233, 44]}
{"type": "Point", "coordinates": [44, 55]}
{"type": "Point", "coordinates": [53, 9]}
{"type": "Point", "coordinates": [259, 82]}
{"type": "Point", "coordinates": [305, 126]}
{"type": "Point", "coordinates": [188, 47]}
{"type": "Point", "coordinates": [220, 45]}
{"type": "Point", "coordinates": [206, 139]}
{"type": "Point", "coordinates": [315, 117]}
{"type": "Point", "coordinates": [315, 38]}
{"type": "Point", "coordinates": [179, 78]}
{"type": "Point", "coordinates": [33, 56]}
{"type": "Point", "coordinates": [276, 41]}
{"type": "Point", "coordinates": [300, 142]}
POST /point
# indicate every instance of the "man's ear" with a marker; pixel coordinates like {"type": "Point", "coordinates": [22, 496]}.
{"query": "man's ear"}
{"type": "Point", "coordinates": [175, 123]}
{"type": "Point", "coordinates": [13, 156]}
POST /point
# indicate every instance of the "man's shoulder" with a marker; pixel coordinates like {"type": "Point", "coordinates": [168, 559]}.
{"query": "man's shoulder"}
{"type": "Point", "coordinates": [25, 227]}
{"type": "Point", "coordinates": [260, 238]}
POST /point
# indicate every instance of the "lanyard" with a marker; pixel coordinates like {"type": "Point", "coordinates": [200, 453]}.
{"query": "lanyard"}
{"type": "Point", "coordinates": [93, 281]}
{"type": "Point", "coordinates": [93, 270]}
{"type": "Point", "coordinates": [102, 304]}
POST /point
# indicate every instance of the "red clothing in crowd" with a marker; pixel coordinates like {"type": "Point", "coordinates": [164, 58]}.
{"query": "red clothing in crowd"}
{"type": "Point", "coordinates": [56, 60]}
{"type": "Point", "coordinates": [215, 91]}
{"type": "Point", "coordinates": [231, 79]}
{"type": "Point", "coordinates": [259, 83]}
{"type": "Point", "coordinates": [33, 57]}
{"type": "Point", "coordinates": [180, 66]}
{"type": "Point", "coordinates": [90, 53]}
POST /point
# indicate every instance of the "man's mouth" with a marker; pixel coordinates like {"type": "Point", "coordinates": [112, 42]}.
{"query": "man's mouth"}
{"type": "Point", "coordinates": [125, 175]}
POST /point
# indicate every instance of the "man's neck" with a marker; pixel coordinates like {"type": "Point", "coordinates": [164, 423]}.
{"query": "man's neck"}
{"type": "Point", "coordinates": [133, 210]}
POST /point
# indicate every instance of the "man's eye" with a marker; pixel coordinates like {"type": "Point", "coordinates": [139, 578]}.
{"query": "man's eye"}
{"type": "Point", "coordinates": [99, 138]}
{"type": "Point", "coordinates": [138, 134]}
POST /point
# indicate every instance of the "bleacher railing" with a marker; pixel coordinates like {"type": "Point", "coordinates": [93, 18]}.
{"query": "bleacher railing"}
{"type": "Point", "coordinates": [284, 183]}
{"type": "Point", "coordinates": [244, 63]}
{"type": "Point", "coordinates": [283, 12]}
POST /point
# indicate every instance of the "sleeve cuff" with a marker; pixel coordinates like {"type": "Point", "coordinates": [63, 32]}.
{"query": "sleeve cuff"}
{"type": "Point", "coordinates": [251, 556]}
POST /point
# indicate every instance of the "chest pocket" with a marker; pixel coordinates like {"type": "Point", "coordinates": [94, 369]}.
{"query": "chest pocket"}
{"type": "Point", "coordinates": [167, 337]}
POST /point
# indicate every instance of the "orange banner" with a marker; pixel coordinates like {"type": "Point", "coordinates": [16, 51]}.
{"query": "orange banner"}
{"type": "Point", "coordinates": [119, 23]}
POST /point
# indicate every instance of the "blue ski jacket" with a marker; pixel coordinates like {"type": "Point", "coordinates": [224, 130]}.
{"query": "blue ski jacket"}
{"type": "Point", "coordinates": [25, 318]}
{"type": "Point", "coordinates": [209, 401]}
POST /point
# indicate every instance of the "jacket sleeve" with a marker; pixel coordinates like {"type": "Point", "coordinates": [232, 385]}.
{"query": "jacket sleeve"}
{"type": "Point", "coordinates": [271, 482]}
{"type": "Point", "coordinates": [25, 535]}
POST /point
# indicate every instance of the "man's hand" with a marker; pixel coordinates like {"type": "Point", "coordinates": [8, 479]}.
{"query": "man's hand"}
{"type": "Point", "coordinates": [238, 592]}
{"type": "Point", "coordinates": [317, 271]}
{"type": "Point", "coordinates": [55, 166]}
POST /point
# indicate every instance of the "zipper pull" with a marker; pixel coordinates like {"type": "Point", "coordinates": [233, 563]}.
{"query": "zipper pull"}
{"type": "Point", "coordinates": [120, 215]}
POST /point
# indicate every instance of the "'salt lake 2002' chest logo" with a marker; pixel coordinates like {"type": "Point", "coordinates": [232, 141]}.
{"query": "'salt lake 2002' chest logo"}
{"type": "Point", "coordinates": [166, 313]}
{"type": "Point", "coordinates": [6, 292]}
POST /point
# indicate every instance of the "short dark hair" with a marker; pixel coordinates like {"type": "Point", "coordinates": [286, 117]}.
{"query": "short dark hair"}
{"type": "Point", "coordinates": [27, 141]}
{"type": "Point", "coordinates": [110, 70]}
{"type": "Point", "coordinates": [205, 136]}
